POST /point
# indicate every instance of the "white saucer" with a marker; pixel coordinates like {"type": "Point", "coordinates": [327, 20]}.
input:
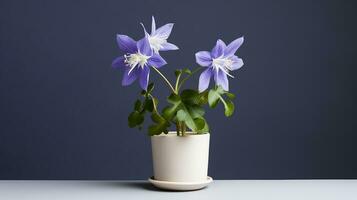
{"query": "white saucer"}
{"type": "Point", "coordinates": [181, 186]}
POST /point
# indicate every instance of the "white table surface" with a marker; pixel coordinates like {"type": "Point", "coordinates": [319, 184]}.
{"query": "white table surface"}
{"type": "Point", "coordinates": [219, 189]}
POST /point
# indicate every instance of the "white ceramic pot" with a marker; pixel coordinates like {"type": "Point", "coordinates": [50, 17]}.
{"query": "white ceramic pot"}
{"type": "Point", "coordinates": [181, 159]}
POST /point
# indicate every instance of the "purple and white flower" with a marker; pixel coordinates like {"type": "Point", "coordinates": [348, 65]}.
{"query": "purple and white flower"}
{"type": "Point", "coordinates": [136, 61]}
{"type": "Point", "coordinates": [219, 62]}
{"type": "Point", "coordinates": [158, 37]}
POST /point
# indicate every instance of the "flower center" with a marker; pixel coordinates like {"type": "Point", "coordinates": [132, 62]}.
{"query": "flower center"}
{"type": "Point", "coordinates": [135, 59]}
{"type": "Point", "coordinates": [223, 64]}
{"type": "Point", "coordinates": [156, 42]}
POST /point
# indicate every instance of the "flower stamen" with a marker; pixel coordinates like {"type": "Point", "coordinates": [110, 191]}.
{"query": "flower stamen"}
{"type": "Point", "coordinates": [156, 43]}
{"type": "Point", "coordinates": [134, 60]}
{"type": "Point", "coordinates": [224, 64]}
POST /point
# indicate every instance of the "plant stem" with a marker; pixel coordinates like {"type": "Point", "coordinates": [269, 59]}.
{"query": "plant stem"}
{"type": "Point", "coordinates": [222, 100]}
{"type": "Point", "coordinates": [178, 128]}
{"type": "Point", "coordinates": [177, 83]}
{"type": "Point", "coordinates": [187, 77]}
{"type": "Point", "coordinates": [153, 102]}
{"type": "Point", "coordinates": [167, 81]}
{"type": "Point", "coordinates": [183, 129]}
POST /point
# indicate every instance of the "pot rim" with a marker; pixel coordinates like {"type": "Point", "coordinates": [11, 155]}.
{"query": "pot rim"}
{"type": "Point", "coordinates": [174, 133]}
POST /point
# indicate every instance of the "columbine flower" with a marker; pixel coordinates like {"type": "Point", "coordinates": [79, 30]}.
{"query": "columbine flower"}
{"type": "Point", "coordinates": [158, 37]}
{"type": "Point", "coordinates": [219, 62]}
{"type": "Point", "coordinates": [138, 56]}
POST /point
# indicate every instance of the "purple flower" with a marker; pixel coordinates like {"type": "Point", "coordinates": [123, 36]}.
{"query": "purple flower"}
{"type": "Point", "coordinates": [158, 37]}
{"type": "Point", "coordinates": [219, 62]}
{"type": "Point", "coordinates": [137, 58]}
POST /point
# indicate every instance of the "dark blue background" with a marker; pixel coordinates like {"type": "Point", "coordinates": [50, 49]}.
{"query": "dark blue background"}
{"type": "Point", "coordinates": [63, 112]}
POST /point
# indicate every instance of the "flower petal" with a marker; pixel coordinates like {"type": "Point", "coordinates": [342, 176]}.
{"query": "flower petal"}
{"type": "Point", "coordinates": [129, 78]}
{"type": "Point", "coordinates": [156, 61]}
{"type": "Point", "coordinates": [144, 77]}
{"type": "Point", "coordinates": [168, 46]}
{"type": "Point", "coordinates": [118, 62]}
{"type": "Point", "coordinates": [203, 58]}
{"type": "Point", "coordinates": [233, 46]}
{"type": "Point", "coordinates": [126, 43]}
{"type": "Point", "coordinates": [204, 80]}
{"type": "Point", "coordinates": [144, 47]}
{"type": "Point", "coordinates": [237, 63]}
{"type": "Point", "coordinates": [218, 50]}
{"type": "Point", "coordinates": [164, 31]}
{"type": "Point", "coordinates": [221, 79]}
{"type": "Point", "coordinates": [146, 33]}
{"type": "Point", "coordinates": [153, 25]}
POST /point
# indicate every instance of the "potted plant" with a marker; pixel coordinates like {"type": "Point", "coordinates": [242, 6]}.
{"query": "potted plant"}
{"type": "Point", "coordinates": [180, 157]}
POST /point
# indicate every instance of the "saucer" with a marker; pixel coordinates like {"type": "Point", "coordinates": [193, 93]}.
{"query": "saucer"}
{"type": "Point", "coordinates": [180, 186]}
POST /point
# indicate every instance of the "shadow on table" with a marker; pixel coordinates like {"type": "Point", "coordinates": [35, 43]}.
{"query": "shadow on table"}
{"type": "Point", "coordinates": [133, 185]}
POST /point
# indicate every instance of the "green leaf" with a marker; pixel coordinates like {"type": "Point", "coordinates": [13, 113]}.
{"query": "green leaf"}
{"type": "Point", "coordinates": [196, 111]}
{"type": "Point", "coordinates": [150, 88]}
{"type": "Point", "coordinates": [178, 72]}
{"type": "Point", "coordinates": [191, 97]}
{"type": "Point", "coordinates": [230, 95]}
{"type": "Point", "coordinates": [155, 117]}
{"type": "Point", "coordinates": [205, 129]}
{"type": "Point", "coordinates": [194, 124]}
{"type": "Point", "coordinates": [186, 108]}
{"type": "Point", "coordinates": [173, 98]}
{"type": "Point", "coordinates": [169, 112]}
{"type": "Point", "coordinates": [137, 105]}
{"type": "Point", "coordinates": [135, 119]}
{"type": "Point", "coordinates": [213, 97]}
{"type": "Point", "coordinates": [148, 104]}
{"type": "Point", "coordinates": [184, 116]}
{"type": "Point", "coordinates": [160, 125]}
{"type": "Point", "coordinates": [187, 71]}
{"type": "Point", "coordinates": [181, 115]}
{"type": "Point", "coordinates": [228, 108]}
{"type": "Point", "coordinates": [156, 129]}
{"type": "Point", "coordinates": [148, 91]}
{"type": "Point", "coordinates": [203, 98]}
{"type": "Point", "coordinates": [200, 123]}
{"type": "Point", "coordinates": [216, 95]}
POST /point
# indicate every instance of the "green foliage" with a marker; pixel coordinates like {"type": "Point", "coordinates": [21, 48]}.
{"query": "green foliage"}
{"type": "Point", "coordinates": [149, 103]}
{"type": "Point", "coordinates": [185, 109]}
{"type": "Point", "coordinates": [230, 95]}
{"type": "Point", "coordinates": [215, 95]}
{"type": "Point", "coordinates": [179, 72]}
{"type": "Point", "coordinates": [150, 88]}
{"type": "Point", "coordinates": [135, 119]}
{"type": "Point", "coordinates": [187, 71]}
{"type": "Point", "coordinates": [160, 125]}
